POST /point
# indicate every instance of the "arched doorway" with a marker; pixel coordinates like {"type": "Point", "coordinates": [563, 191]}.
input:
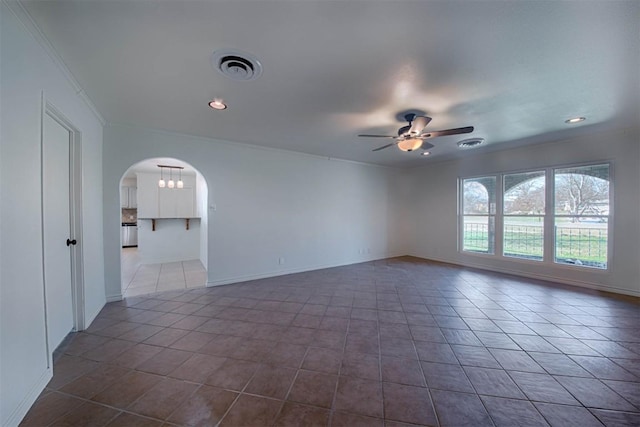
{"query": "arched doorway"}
{"type": "Point", "coordinates": [163, 236]}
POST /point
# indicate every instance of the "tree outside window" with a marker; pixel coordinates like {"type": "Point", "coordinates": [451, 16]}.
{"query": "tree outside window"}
{"type": "Point", "coordinates": [582, 215]}
{"type": "Point", "coordinates": [524, 210]}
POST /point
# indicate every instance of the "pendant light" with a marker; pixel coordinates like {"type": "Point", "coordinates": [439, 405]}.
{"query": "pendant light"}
{"type": "Point", "coordinates": [171, 184]}
{"type": "Point", "coordinates": [180, 184]}
{"type": "Point", "coordinates": [161, 183]}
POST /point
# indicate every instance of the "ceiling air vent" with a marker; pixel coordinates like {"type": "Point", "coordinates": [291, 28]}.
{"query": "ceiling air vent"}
{"type": "Point", "coordinates": [236, 65]}
{"type": "Point", "coordinates": [470, 142]}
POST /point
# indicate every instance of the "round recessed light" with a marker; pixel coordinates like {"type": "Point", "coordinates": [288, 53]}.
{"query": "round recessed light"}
{"type": "Point", "coordinates": [575, 120]}
{"type": "Point", "coordinates": [217, 104]}
{"type": "Point", "coordinates": [426, 153]}
{"type": "Point", "coordinates": [470, 142]}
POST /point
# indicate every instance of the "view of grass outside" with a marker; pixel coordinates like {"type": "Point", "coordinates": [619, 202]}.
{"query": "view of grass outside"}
{"type": "Point", "coordinates": [581, 244]}
{"type": "Point", "coordinates": [523, 241]}
{"type": "Point", "coordinates": [476, 234]}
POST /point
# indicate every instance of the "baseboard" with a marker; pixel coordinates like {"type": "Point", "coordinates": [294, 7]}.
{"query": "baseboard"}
{"type": "Point", "coordinates": [113, 298]}
{"type": "Point", "coordinates": [538, 276]}
{"type": "Point", "coordinates": [18, 414]}
{"type": "Point", "coordinates": [238, 279]}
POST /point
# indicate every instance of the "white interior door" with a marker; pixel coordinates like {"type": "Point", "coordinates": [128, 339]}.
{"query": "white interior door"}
{"type": "Point", "coordinates": [57, 225]}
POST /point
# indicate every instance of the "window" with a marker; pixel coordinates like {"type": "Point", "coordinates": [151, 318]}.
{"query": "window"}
{"type": "Point", "coordinates": [553, 215]}
{"type": "Point", "coordinates": [479, 210]}
{"type": "Point", "coordinates": [582, 215]}
{"type": "Point", "coordinates": [523, 215]}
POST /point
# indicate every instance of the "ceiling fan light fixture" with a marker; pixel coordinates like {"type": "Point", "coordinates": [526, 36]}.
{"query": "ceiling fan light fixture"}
{"type": "Point", "coordinates": [410, 144]}
{"type": "Point", "coordinates": [574, 120]}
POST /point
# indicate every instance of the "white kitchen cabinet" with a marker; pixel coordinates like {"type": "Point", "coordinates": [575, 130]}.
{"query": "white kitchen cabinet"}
{"type": "Point", "coordinates": [133, 197]}
{"type": "Point", "coordinates": [128, 197]}
{"type": "Point", "coordinates": [147, 195]}
{"type": "Point", "coordinates": [176, 202]}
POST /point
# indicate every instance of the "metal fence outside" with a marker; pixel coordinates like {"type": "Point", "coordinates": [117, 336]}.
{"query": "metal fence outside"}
{"type": "Point", "coordinates": [573, 245]}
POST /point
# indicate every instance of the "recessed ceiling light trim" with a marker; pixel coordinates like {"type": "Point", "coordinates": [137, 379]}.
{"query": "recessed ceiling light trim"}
{"type": "Point", "coordinates": [217, 104]}
{"type": "Point", "coordinates": [575, 120]}
{"type": "Point", "coordinates": [236, 65]}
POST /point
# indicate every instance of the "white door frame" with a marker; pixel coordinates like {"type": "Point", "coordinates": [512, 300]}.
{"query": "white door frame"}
{"type": "Point", "coordinates": [75, 215]}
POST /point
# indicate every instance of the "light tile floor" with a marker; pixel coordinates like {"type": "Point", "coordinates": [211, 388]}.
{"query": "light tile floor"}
{"type": "Point", "coordinates": [140, 279]}
{"type": "Point", "coordinates": [398, 342]}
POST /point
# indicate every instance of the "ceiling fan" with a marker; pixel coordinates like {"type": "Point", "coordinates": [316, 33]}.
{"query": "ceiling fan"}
{"type": "Point", "coordinates": [411, 137]}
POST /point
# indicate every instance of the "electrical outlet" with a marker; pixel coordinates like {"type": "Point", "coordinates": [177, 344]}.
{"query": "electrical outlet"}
{"type": "Point", "coordinates": [281, 260]}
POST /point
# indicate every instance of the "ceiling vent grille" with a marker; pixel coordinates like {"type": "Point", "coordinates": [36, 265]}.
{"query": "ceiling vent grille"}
{"type": "Point", "coordinates": [236, 65]}
{"type": "Point", "coordinates": [470, 142]}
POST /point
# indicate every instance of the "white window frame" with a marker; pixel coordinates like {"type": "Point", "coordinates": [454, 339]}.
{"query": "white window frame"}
{"type": "Point", "coordinates": [609, 217]}
{"type": "Point", "coordinates": [462, 215]}
{"type": "Point", "coordinates": [549, 243]}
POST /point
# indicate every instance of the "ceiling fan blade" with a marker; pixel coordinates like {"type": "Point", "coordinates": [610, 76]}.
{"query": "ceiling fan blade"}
{"type": "Point", "coordinates": [384, 146]}
{"type": "Point", "coordinates": [446, 132]}
{"type": "Point", "coordinates": [418, 124]}
{"type": "Point", "coordinates": [378, 136]}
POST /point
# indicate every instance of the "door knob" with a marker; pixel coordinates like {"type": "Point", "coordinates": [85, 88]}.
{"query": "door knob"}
{"type": "Point", "coordinates": [71, 242]}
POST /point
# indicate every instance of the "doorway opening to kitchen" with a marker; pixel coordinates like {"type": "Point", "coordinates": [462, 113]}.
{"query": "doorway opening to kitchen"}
{"type": "Point", "coordinates": [164, 218]}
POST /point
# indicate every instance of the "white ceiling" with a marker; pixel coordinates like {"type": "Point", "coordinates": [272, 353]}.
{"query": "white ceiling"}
{"type": "Point", "coordinates": [333, 69]}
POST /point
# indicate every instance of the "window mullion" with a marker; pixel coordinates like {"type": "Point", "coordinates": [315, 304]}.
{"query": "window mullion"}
{"type": "Point", "coordinates": [499, 215]}
{"type": "Point", "coordinates": [549, 217]}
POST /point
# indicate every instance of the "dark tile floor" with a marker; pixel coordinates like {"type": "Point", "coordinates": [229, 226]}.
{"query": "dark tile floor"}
{"type": "Point", "coordinates": [390, 343]}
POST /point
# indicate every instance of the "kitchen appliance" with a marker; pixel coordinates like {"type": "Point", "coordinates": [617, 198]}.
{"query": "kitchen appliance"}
{"type": "Point", "coordinates": [129, 234]}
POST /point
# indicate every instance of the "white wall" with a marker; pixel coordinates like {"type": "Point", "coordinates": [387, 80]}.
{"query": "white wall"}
{"type": "Point", "coordinates": [202, 196]}
{"type": "Point", "coordinates": [26, 72]}
{"type": "Point", "coordinates": [170, 242]}
{"type": "Point", "coordinates": [434, 208]}
{"type": "Point", "coordinates": [269, 204]}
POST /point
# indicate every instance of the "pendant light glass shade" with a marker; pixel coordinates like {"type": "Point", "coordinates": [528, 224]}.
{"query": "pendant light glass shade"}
{"type": "Point", "coordinates": [161, 183]}
{"type": "Point", "coordinates": [180, 184]}
{"type": "Point", "coordinates": [171, 184]}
